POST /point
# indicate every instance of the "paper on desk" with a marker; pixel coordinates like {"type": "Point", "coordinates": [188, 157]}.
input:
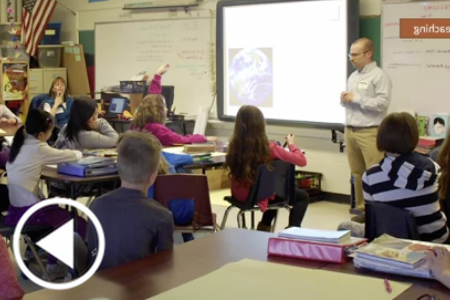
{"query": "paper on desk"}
{"type": "Point", "coordinates": [179, 150]}
{"type": "Point", "coordinates": [249, 279]}
{"type": "Point", "coordinates": [2, 131]}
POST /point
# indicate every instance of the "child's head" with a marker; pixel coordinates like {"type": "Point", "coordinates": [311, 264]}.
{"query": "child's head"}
{"type": "Point", "coordinates": [249, 145]}
{"type": "Point", "coordinates": [138, 158]}
{"type": "Point", "coordinates": [398, 134]}
{"type": "Point", "coordinates": [153, 109]}
{"type": "Point", "coordinates": [39, 124]}
{"type": "Point", "coordinates": [84, 111]}
{"type": "Point", "coordinates": [58, 86]}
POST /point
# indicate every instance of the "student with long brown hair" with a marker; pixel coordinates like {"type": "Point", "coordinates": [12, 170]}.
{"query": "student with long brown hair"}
{"type": "Point", "coordinates": [249, 147]}
{"type": "Point", "coordinates": [151, 117]}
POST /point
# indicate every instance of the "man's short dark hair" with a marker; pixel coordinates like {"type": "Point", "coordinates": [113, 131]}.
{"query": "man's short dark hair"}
{"type": "Point", "coordinates": [398, 134]}
{"type": "Point", "coordinates": [138, 156]}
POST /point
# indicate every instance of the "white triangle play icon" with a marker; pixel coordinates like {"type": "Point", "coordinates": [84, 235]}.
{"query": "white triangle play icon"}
{"type": "Point", "coordinates": [59, 244]}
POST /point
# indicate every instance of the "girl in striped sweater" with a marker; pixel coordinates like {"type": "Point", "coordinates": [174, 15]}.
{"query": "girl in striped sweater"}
{"type": "Point", "coordinates": [405, 179]}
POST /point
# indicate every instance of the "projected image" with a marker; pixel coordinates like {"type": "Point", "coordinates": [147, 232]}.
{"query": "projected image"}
{"type": "Point", "coordinates": [250, 77]}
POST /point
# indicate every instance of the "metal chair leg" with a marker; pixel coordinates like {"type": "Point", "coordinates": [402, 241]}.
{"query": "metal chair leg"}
{"type": "Point", "coordinates": [240, 218]}
{"type": "Point", "coordinates": [36, 256]}
{"type": "Point", "coordinates": [272, 228]}
{"type": "Point", "coordinates": [90, 201]}
{"type": "Point", "coordinates": [253, 220]}
{"type": "Point", "coordinates": [244, 222]}
{"type": "Point", "coordinates": [225, 217]}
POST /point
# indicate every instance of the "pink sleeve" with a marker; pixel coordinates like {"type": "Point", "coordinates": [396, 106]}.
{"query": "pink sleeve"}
{"type": "Point", "coordinates": [294, 156]}
{"type": "Point", "coordinates": [155, 86]}
{"type": "Point", "coordinates": [167, 137]}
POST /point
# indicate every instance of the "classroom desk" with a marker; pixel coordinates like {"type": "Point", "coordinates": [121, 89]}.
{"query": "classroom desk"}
{"type": "Point", "coordinates": [419, 287]}
{"type": "Point", "coordinates": [120, 124]}
{"type": "Point", "coordinates": [216, 161]}
{"type": "Point", "coordinates": [9, 130]}
{"type": "Point", "coordinates": [50, 174]}
{"type": "Point", "coordinates": [161, 272]}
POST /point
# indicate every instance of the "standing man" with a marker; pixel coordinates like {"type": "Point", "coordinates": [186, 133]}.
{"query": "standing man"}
{"type": "Point", "coordinates": [366, 102]}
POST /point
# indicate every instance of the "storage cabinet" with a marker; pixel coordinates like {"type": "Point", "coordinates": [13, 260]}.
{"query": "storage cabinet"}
{"type": "Point", "coordinates": [40, 80]}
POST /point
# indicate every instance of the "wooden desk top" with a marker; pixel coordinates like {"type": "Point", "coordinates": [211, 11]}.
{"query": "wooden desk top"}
{"type": "Point", "coordinates": [10, 130]}
{"type": "Point", "coordinates": [51, 174]}
{"type": "Point", "coordinates": [161, 272]}
{"type": "Point", "coordinates": [419, 288]}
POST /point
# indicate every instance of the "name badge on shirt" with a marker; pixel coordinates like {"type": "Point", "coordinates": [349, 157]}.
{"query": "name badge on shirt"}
{"type": "Point", "coordinates": [363, 85]}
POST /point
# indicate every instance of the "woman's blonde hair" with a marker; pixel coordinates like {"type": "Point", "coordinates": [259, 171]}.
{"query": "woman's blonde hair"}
{"type": "Point", "coordinates": [151, 110]}
{"type": "Point", "coordinates": [164, 166]}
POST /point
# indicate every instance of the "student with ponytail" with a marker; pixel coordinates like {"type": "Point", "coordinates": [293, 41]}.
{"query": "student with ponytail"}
{"type": "Point", "coordinates": [29, 154]}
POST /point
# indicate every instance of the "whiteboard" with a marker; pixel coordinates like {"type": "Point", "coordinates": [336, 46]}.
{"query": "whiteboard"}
{"type": "Point", "coordinates": [123, 49]}
{"type": "Point", "coordinates": [419, 69]}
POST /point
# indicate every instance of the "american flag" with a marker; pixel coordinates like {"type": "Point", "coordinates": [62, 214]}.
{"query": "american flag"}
{"type": "Point", "coordinates": [35, 17]}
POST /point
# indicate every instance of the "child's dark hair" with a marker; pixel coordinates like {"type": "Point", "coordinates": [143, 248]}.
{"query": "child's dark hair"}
{"type": "Point", "coordinates": [38, 121]}
{"type": "Point", "coordinates": [82, 110]}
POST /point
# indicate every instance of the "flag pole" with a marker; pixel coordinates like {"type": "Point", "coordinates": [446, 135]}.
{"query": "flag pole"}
{"type": "Point", "coordinates": [62, 5]}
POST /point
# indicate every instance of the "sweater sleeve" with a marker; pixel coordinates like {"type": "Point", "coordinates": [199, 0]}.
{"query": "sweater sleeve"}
{"type": "Point", "coordinates": [177, 160]}
{"type": "Point", "coordinates": [293, 156]}
{"type": "Point", "coordinates": [7, 113]}
{"type": "Point", "coordinates": [167, 137]}
{"type": "Point", "coordinates": [155, 86]}
{"type": "Point", "coordinates": [52, 156]}
{"type": "Point", "coordinates": [105, 137]}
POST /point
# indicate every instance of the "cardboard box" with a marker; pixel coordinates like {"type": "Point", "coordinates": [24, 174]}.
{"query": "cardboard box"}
{"type": "Point", "coordinates": [217, 178]}
{"type": "Point", "coordinates": [77, 76]}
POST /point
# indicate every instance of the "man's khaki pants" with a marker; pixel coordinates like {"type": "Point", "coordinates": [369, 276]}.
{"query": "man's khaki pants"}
{"type": "Point", "coordinates": [362, 153]}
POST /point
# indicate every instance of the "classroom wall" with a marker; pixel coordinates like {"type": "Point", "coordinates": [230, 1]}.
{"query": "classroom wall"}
{"type": "Point", "coordinates": [323, 156]}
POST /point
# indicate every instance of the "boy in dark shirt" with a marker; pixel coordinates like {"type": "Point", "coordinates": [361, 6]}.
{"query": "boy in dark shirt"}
{"type": "Point", "coordinates": [135, 226]}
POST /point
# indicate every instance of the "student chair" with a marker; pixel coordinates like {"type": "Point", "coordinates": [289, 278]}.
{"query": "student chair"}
{"type": "Point", "coordinates": [383, 218]}
{"type": "Point", "coordinates": [277, 179]}
{"type": "Point", "coordinates": [7, 231]}
{"type": "Point", "coordinates": [187, 186]}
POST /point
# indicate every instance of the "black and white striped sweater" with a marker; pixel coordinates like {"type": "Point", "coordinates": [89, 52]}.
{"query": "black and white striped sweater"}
{"type": "Point", "coordinates": [409, 182]}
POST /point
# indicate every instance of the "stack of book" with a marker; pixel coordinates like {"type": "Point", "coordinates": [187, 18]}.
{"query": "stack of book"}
{"type": "Point", "coordinates": [395, 256]}
{"type": "Point", "coordinates": [312, 244]}
{"type": "Point", "coordinates": [200, 148]}
{"type": "Point", "coordinates": [427, 144]}
{"type": "Point", "coordinates": [317, 235]}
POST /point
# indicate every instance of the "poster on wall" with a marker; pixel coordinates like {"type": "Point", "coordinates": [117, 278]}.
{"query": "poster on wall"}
{"type": "Point", "coordinates": [14, 80]}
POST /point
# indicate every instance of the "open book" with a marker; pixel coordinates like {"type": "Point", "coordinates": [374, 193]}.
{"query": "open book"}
{"type": "Point", "coordinates": [386, 249]}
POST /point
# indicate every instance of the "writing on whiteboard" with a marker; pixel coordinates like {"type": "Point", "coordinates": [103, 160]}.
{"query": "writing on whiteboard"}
{"type": "Point", "coordinates": [156, 27]}
{"type": "Point", "coordinates": [404, 65]}
{"type": "Point", "coordinates": [438, 66]}
{"type": "Point", "coordinates": [436, 7]}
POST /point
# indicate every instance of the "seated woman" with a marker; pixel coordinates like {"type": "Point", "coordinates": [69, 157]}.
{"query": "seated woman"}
{"type": "Point", "coordinates": [249, 147]}
{"type": "Point", "coordinates": [85, 130]}
{"type": "Point", "coordinates": [58, 102]}
{"type": "Point", "coordinates": [151, 117]}
{"type": "Point", "coordinates": [404, 179]}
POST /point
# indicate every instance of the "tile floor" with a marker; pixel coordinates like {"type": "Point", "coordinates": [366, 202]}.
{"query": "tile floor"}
{"type": "Point", "coordinates": [320, 215]}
